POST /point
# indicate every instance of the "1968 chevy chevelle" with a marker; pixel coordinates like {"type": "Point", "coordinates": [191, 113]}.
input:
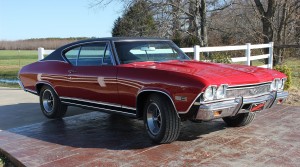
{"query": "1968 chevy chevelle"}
{"type": "Point", "coordinates": [150, 79]}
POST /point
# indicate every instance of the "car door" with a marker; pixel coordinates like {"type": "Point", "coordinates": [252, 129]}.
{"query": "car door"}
{"type": "Point", "coordinates": [92, 77]}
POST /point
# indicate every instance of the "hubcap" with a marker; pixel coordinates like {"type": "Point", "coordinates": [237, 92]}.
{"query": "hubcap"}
{"type": "Point", "coordinates": [154, 121]}
{"type": "Point", "coordinates": [47, 99]}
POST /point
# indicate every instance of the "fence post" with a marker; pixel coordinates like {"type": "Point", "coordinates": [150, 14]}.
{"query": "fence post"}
{"type": "Point", "coordinates": [40, 53]}
{"type": "Point", "coordinates": [248, 54]}
{"type": "Point", "coordinates": [197, 52]}
{"type": "Point", "coordinates": [270, 64]}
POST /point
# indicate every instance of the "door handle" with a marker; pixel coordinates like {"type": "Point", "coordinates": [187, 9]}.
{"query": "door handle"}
{"type": "Point", "coordinates": [71, 71]}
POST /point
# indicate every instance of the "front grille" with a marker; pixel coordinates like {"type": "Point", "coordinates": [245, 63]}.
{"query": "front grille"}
{"type": "Point", "coordinates": [248, 91]}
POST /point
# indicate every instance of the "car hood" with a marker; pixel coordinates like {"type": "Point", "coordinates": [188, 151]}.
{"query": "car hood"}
{"type": "Point", "coordinates": [215, 73]}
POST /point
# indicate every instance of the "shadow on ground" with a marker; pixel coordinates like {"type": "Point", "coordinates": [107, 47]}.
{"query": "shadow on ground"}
{"type": "Point", "coordinates": [21, 114]}
{"type": "Point", "coordinates": [101, 130]}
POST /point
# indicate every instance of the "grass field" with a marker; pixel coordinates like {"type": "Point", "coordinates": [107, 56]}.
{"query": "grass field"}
{"type": "Point", "coordinates": [11, 61]}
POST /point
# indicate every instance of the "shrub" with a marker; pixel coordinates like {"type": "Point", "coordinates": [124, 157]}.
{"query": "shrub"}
{"type": "Point", "coordinates": [287, 71]}
{"type": "Point", "coordinates": [220, 58]}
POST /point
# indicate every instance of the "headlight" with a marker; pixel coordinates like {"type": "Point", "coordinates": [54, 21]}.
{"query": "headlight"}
{"type": "Point", "coordinates": [281, 84]}
{"type": "Point", "coordinates": [274, 84]}
{"type": "Point", "coordinates": [277, 84]}
{"type": "Point", "coordinates": [209, 93]}
{"type": "Point", "coordinates": [221, 92]}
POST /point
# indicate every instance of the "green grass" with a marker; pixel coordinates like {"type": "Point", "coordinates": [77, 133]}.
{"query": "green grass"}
{"type": "Point", "coordinates": [11, 61]}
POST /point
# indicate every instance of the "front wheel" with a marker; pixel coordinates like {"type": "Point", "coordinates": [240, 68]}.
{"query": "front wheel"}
{"type": "Point", "coordinates": [50, 103]}
{"type": "Point", "coordinates": [240, 119]}
{"type": "Point", "coordinates": [161, 120]}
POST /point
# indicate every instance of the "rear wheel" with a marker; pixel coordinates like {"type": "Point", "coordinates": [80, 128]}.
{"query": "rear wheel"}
{"type": "Point", "coordinates": [240, 119]}
{"type": "Point", "coordinates": [161, 120]}
{"type": "Point", "coordinates": [50, 103]}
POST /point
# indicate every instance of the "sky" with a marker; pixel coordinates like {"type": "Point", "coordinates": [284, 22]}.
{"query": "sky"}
{"type": "Point", "coordinates": [25, 19]}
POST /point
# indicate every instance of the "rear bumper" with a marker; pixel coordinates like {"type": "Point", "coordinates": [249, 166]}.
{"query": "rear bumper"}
{"type": "Point", "coordinates": [232, 107]}
{"type": "Point", "coordinates": [21, 84]}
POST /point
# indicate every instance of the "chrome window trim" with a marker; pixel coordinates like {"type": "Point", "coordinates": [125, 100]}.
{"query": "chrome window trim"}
{"type": "Point", "coordinates": [53, 60]}
{"type": "Point", "coordinates": [176, 48]}
{"type": "Point", "coordinates": [115, 53]}
{"type": "Point", "coordinates": [84, 43]}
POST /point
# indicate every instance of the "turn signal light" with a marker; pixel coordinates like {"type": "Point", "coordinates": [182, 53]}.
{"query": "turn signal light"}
{"type": "Point", "coordinates": [217, 113]}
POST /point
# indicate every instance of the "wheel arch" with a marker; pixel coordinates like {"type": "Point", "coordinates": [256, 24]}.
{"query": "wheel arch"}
{"type": "Point", "coordinates": [142, 97]}
{"type": "Point", "coordinates": [40, 84]}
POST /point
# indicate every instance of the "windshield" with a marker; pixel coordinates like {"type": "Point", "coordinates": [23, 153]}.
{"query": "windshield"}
{"type": "Point", "coordinates": [139, 51]}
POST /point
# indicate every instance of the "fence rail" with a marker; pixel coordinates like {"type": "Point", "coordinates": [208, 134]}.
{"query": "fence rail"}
{"type": "Point", "coordinates": [197, 50]}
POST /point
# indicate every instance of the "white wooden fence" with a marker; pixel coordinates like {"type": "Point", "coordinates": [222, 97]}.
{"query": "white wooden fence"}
{"type": "Point", "coordinates": [197, 50]}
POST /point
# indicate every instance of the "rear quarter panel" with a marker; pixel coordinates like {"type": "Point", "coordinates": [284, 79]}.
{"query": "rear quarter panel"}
{"type": "Point", "coordinates": [31, 74]}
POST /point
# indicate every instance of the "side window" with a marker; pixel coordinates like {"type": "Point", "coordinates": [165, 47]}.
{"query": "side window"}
{"type": "Point", "coordinates": [72, 54]}
{"type": "Point", "coordinates": [95, 54]}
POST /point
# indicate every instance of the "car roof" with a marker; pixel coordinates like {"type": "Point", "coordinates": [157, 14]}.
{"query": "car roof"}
{"type": "Point", "coordinates": [122, 39]}
{"type": "Point", "coordinates": [56, 55]}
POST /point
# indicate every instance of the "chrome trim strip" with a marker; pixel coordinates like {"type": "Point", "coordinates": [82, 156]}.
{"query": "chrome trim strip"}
{"type": "Point", "coordinates": [46, 83]}
{"type": "Point", "coordinates": [246, 85]}
{"type": "Point", "coordinates": [130, 108]}
{"type": "Point", "coordinates": [184, 112]}
{"type": "Point", "coordinates": [153, 90]}
{"type": "Point", "coordinates": [31, 91]}
{"type": "Point", "coordinates": [90, 101]}
{"type": "Point", "coordinates": [52, 60]}
{"type": "Point", "coordinates": [226, 99]}
{"type": "Point", "coordinates": [100, 108]}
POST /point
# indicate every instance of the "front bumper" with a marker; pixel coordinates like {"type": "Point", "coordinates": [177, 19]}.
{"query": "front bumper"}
{"type": "Point", "coordinates": [226, 108]}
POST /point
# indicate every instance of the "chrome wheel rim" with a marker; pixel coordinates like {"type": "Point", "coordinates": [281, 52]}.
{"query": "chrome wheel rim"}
{"type": "Point", "coordinates": [48, 102]}
{"type": "Point", "coordinates": [154, 120]}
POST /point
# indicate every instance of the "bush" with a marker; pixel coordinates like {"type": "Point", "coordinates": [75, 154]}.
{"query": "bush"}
{"type": "Point", "coordinates": [287, 71]}
{"type": "Point", "coordinates": [220, 58]}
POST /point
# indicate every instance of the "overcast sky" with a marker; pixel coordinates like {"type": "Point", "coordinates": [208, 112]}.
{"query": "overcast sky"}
{"type": "Point", "coordinates": [24, 19]}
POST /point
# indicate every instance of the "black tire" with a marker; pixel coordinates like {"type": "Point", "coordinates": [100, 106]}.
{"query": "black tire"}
{"type": "Point", "coordinates": [242, 119]}
{"type": "Point", "coordinates": [50, 103]}
{"type": "Point", "coordinates": [165, 128]}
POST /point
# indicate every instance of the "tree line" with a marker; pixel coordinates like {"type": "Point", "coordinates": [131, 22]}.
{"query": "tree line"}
{"type": "Point", "coordinates": [213, 22]}
{"type": "Point", "coordinates": [33, 44]}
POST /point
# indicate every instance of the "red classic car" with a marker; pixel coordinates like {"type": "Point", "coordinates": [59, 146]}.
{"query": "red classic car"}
{"type": "Point", "coordinates": [150, 79]}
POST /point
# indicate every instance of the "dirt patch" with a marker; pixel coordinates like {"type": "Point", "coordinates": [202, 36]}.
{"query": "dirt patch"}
{"type": "Point", "coordinates": [294, 97]}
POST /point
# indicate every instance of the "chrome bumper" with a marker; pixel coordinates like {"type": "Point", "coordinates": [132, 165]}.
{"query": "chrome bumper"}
{"type": "Point", "coordinates": [21, 84]}
{"type": "Point", "coordinates": [214, 110]}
